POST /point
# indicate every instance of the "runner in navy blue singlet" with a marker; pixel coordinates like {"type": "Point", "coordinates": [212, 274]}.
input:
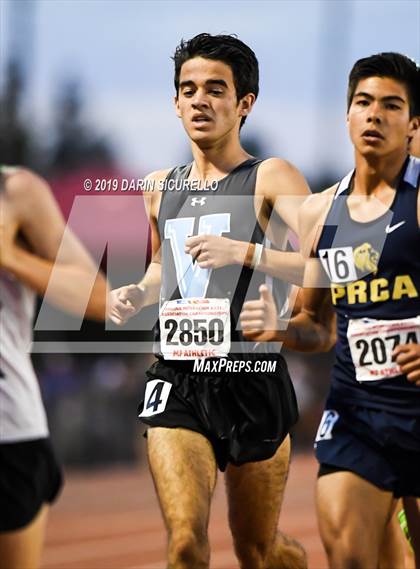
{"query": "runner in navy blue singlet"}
{"type": "Point", "coordinates": [362, 242]}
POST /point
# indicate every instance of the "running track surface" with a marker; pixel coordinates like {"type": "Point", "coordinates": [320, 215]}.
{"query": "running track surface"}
{"type": "Point", "coordinates": [111, 520]}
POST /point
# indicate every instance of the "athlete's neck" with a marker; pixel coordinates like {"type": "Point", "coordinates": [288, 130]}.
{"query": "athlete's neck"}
{"type": "Point", "coordinates": [216, 161]}
{"type": "Point", "coordinates": [375, 173]}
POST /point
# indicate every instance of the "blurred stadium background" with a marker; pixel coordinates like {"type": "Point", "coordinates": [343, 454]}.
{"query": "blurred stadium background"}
{"type": "Point", "coordinates": [86, 91]}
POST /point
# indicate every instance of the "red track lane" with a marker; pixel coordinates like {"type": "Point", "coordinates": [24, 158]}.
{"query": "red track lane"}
{"type": "Point", "coordinates": [111, 520]}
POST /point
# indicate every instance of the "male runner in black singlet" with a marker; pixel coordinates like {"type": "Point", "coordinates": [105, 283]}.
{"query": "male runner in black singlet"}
{"type": "Point", "coordinates": [365, 233]}
{"type": "Point", "coordinates": [222, 409]}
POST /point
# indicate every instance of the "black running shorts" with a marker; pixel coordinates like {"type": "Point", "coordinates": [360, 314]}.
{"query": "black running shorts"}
{"type": "Point", "coordinates": [245, 416]}
{"type": "Point", "coordinates": [29, 477]}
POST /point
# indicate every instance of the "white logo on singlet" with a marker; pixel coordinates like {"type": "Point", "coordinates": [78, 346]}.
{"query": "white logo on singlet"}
{"type": "Point", "coordinates": [199, 201]}
{"type": "Point", "coordinates": [191, 278]}
{"type": "Point", "coordinates": [390, 228]}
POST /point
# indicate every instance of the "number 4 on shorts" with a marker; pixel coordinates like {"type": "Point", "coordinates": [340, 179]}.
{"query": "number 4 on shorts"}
{"type": "Point", "coordinates": [155, 397]}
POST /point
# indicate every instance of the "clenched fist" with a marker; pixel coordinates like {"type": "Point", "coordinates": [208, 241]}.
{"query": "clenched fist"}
{"type": "Point", "coordinates": [124, 303]}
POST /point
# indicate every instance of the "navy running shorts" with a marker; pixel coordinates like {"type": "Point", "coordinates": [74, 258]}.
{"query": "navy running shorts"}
{"type": "Point", "coordinates": [380, 446]}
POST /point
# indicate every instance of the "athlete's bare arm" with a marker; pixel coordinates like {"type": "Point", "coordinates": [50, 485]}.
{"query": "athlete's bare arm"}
{"type": "Point", "coordinates": [284, 189]}
{"type": "Point", "coordinates": [313, 328]}
{"type": "Point", "coordinates": [407, 356]}
{"type": "Point", "coordinates": [280, 188]}
{"type": "Point", "coordinates": [126, 301]}
{"type": "Point", "coordinates": [49, 258]}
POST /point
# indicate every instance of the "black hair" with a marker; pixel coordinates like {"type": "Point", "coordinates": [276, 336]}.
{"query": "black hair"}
{"type": "Point", "coordinates": [228, 49]}
{"type": "Point", "coordinates": [389, 64]}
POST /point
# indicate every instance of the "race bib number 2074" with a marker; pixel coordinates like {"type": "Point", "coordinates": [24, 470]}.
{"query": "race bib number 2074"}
{"type": "Point", "coordinates": [373, 341]}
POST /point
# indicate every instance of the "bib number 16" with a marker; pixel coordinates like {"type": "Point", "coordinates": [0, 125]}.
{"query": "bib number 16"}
{"type": "Point", "coordinates": [338, 263]}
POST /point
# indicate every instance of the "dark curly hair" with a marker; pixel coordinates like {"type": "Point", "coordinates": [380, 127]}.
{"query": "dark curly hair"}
{"type": "Point", "coordinates": [227, 48]}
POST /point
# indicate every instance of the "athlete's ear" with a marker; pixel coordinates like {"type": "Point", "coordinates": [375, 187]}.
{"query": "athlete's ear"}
{"type": "Point", "coordinates": [414, 125]}
{"type": "Point", "coordinates": [246, 104]}
{"type": "Point", "coordinates": [176, 103]}
{"type": "Point", "coordinates": [414, 136]}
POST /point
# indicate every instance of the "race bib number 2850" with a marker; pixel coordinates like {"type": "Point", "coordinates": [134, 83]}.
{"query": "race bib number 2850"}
{"type": "Point", "coordinates": [193, 328]}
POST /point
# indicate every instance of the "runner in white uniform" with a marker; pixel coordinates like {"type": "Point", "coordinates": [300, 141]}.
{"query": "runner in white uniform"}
{"type": "Point", "coordinates": [30, 476]}
{"type": "Point", "coordinates": [22, 413]}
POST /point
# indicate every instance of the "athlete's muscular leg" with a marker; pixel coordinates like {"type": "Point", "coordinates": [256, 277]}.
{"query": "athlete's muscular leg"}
{"type": "Point", "coordinates": [352, 516]}
{"type": "Point", "coordinates": [255, 492]}
{"type": "Point", "coordinates": [412, 511]}
{"type": "Point", "coordinates": [21, 549]}
{"type": "Point", "coordinates": [184, 472]}
{"type": "Point", "coordinates": [392, 548]}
